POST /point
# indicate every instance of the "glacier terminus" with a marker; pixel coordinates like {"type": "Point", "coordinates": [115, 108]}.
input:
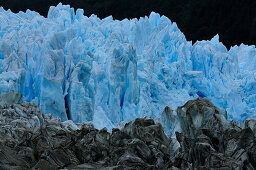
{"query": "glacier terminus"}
{"type": "Point", "coordinates": [106, 71]}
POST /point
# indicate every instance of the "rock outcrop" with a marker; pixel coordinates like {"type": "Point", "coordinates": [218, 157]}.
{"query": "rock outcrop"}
{"type": "Point", "coordinates": [32, 140]}
{"type": "Point", "coordinates": [209, 141]}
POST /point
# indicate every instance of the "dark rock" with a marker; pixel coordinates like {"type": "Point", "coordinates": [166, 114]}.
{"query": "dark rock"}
{"type": "Point", "coordinates": [251, 123]}
{"type": "Point", "coordinates": [196, 114]}
{"type": "Point", "coordinates": [43, 164]}
{"type": "Point", "coordinates": [141, 149]}
{"type": "Point", "coordinates": [146, 130]}
{"type": "Point", "coordinates": [220, 161]}
{"type": "Point", "coordinates": [208, 140]}
{"type": "Point", "coordinates": [119, 138]}
{"type": "Point", "coordinates": [32, 140]}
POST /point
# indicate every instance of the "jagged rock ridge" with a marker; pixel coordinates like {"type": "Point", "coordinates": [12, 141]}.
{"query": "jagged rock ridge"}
{"type": "Point", "coordinates": [32, 140]}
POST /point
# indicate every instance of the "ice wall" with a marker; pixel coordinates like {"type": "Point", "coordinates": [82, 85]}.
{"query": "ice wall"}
{"type": "Point", "coordinates": [88, 69]}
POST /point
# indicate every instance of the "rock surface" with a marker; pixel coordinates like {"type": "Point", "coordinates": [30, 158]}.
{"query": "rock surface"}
{"type": "Point", "coordinates": [32, 140]}
{"type": "Point", "coordinates": [208, 140]}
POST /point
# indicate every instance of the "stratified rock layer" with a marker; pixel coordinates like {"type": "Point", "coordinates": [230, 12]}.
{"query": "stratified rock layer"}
{"type": "Point", "coordinates": [32, 140]}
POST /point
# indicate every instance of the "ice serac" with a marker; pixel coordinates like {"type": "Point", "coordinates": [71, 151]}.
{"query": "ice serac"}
{"type": "Point", "coordinates": [106, 71]}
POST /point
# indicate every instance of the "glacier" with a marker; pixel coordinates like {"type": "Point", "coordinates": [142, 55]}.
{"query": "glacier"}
{"type": "Point", "coordinates": [108, 71]}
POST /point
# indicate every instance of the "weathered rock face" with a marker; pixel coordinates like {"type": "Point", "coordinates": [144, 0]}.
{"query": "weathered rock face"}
{"type": "Point", "coordinates": [197, 113]}
{"type": "Point", "coordinates": [208, 140]}
{"type": "Point", "coordinates": [32, 140]}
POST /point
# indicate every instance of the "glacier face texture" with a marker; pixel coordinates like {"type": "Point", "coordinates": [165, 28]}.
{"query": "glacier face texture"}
{"type": "Point", "coordinates": [105, 71]}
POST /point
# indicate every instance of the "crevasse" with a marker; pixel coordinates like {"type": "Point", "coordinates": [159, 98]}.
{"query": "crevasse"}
{"type": "Point", "coordinates": [105, 71]}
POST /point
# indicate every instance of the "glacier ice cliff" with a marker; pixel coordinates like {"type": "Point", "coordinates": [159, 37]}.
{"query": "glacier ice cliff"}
{"type": "Point", "coordinates": [105, 71]}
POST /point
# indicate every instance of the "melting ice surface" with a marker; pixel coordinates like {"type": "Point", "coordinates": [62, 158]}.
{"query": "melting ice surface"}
{"type": "Point", "coordinates": [105, 71]}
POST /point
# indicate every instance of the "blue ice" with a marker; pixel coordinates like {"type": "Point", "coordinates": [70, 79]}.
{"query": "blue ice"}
{"type": "Point", "coordinates": [105, 71]}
